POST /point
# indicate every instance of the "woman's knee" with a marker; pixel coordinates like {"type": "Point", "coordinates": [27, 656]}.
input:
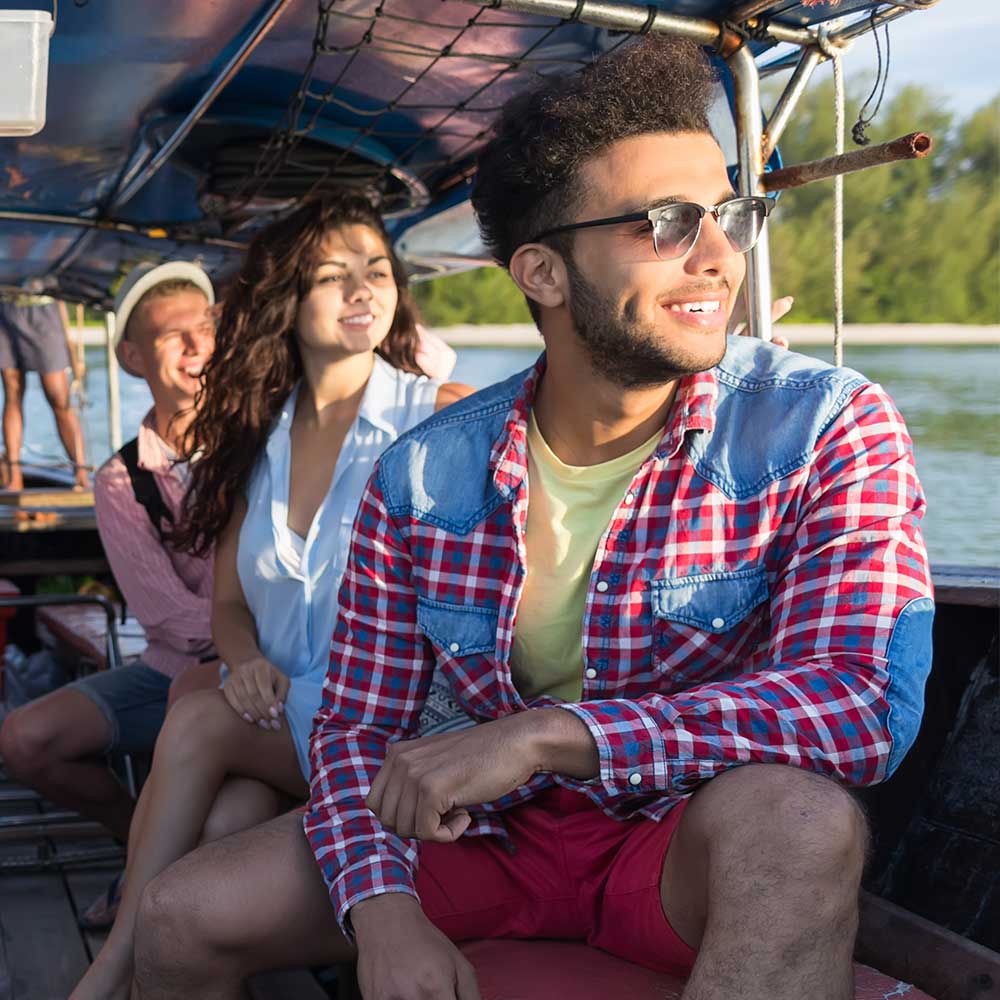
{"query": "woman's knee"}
{"type": "Point", "coordinates": [241, 803]}
{"type": "Point", "coordinates": [199, 725]}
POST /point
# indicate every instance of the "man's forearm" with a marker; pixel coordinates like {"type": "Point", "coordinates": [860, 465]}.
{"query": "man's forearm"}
{"type": "Point", "coordinates": [563, 744]}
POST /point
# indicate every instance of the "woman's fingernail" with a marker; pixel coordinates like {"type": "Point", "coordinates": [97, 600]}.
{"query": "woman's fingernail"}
{"type": "Point", "coordinates": [262, 724]}
{"type": "Point", "coordinates": [248, 716]}
{"type": "Point", "coordinates": [275, 724]}
{"type": "Point", "coordinates": [274, 712]}
{"type": "Point", "coordinates": [281, 707]}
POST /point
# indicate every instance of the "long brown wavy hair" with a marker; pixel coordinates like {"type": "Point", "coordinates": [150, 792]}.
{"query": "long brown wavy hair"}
{"type": "Point", "coordinates": [257, 363]}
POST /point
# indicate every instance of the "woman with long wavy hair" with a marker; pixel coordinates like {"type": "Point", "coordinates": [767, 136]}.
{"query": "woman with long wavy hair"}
{"type": "Point", "coordinates": [314, 374]}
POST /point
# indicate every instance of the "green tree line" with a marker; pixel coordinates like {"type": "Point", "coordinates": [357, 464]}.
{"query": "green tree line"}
{"type": "Point", "coordinates": [922, 238]}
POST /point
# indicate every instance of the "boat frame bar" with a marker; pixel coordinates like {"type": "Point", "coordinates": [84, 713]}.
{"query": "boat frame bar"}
{"type": "Point", "coordinates": [729, 37]}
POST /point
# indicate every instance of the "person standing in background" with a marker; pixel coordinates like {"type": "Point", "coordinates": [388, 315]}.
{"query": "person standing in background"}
{"type": "Point", "coordinates": [34, 337]}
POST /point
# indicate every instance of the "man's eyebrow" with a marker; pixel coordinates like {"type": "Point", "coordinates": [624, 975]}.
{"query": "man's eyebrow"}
{"type": "Point", "coordinates": [677, 199]}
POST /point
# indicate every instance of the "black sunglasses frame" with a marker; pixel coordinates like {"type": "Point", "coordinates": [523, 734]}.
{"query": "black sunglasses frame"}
{"type": "Point", "coordinates": [653, 217]}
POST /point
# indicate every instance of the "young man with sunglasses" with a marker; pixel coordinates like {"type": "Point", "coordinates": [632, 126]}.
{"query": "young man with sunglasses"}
{"type": "Point", "coordinates": [677, 580]}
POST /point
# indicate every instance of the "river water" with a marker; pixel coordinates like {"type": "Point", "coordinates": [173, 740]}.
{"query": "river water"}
{"type": "Point", "coordinates": [949, 396]}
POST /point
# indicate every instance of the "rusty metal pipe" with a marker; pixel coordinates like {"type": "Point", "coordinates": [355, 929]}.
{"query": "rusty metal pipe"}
{"type": "Point", "coordinates": [914, 146]}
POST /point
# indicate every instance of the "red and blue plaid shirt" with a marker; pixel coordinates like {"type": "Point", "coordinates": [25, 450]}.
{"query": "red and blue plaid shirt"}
{"type": "Point", "coordinates": [728, 620]}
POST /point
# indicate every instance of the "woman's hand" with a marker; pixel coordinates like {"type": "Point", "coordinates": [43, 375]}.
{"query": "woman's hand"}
{"type": "Point", "coordinates": [779, 308]}
{"type": "Point", "coordinates": [257, 689]}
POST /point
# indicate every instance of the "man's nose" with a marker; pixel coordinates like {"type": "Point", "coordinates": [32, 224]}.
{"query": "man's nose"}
{"type": "Point", "coordinates": [712, 252]}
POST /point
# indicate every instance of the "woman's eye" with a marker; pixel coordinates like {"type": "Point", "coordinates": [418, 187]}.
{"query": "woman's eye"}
{"type": "Point", "coordinates": [326, 278]}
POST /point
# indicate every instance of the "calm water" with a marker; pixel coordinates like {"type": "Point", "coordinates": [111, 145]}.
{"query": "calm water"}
{"type": "Point", "coordinates": [950, 397]}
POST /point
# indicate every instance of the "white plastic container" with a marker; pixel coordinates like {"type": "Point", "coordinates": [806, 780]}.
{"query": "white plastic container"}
{"type": "Point", "coordinates": [24, 70]}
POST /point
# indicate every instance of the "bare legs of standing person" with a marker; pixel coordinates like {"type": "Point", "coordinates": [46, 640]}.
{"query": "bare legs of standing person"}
{"type": "Point", "coordinates": [55, 385]}
{"type": "Point", "coordinates": [13, 427]}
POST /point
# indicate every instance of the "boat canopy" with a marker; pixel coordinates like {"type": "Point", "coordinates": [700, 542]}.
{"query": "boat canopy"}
{"type": "Point", "coordinates": [176, 130]}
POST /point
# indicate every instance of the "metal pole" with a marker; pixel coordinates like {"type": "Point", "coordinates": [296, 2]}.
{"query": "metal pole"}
{"type": "Point", "coordinates": [140, 171]}
{"type": "Point", "coordinates": [794, 89]}
{"type": "Point", "coordinates": [114, 398]}
{"type": "Point", "coordinates": [751, 168]}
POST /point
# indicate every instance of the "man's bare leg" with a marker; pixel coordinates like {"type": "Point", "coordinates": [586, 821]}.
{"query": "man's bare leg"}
{"type": "Point", "coordinates": [55, 745]}
{"type": "Point", "coordinates": [13, 426]}
{"type": "Point", "coordinates": [762, 876]}
{"type": "Point", "coordinates": [250, 902]}
{"type": "Point", "coordinates": [55, 385]}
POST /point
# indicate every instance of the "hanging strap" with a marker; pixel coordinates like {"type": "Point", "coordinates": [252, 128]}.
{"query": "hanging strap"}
{"type": "Point", "coordinates": [147, 493]}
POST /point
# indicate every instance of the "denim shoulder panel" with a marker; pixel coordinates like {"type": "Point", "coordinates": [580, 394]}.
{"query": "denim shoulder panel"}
{"type": "Point", "coordinates": [773, 406]}
{"type": "Point", "coordinates": [440, 470]}
{"type": "Point", "coordinates": [910, 654]}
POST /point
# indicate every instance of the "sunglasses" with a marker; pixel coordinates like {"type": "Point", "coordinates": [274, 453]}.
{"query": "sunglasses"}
{"type": "Point", "coordinates": [676, 227]}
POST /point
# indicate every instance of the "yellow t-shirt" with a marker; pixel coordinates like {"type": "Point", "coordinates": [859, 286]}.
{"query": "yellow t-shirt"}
{"type": "Point", "coordinates": [569, 509]}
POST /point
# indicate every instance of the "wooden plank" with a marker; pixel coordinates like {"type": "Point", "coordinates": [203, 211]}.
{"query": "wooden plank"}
{"type": "Point", "coordinates": [969, 585]}
{"type": "Point", "coordinates": [47, 497]}
{"type": "Point", "coordinates": [44, 956]}
{"type": "Point", "coordinates": [86, 885]}
{"type": "Point", "coordinates": [942, 963]}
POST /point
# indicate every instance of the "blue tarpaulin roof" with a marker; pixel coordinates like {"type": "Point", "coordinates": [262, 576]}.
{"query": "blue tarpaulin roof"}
{"type": "Point", "coordinates": [399, 97]}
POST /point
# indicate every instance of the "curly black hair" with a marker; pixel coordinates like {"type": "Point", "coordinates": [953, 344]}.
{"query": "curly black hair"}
{"type": "Point", "coordinates": [528, 169]}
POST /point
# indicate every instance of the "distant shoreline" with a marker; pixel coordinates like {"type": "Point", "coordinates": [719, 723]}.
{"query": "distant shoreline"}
{"type": "Point", "coordinates": [801, 334]}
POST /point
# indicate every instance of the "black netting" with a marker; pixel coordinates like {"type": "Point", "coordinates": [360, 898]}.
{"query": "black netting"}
{"type": "Point", "coordinates": [396, 97]}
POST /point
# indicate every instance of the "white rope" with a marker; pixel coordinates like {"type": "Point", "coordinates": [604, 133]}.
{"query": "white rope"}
{"type": "Point", "coordinates": [838, 219]}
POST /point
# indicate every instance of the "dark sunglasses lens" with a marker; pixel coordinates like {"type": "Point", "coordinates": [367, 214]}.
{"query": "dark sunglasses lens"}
{"type": "Point", "coordinates": [742, 220]}
{"type": "Point", "coordinates": [676, 230]}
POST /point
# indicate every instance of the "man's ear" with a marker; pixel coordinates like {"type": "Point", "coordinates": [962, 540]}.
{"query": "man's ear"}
{"type": "Point", "coordinates": [132, 357]}
{"type": "Point", "coordinates": [541, 274]}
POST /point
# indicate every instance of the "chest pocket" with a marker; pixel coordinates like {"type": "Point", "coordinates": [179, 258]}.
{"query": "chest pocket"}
{"type": "Point", "coordinates": [706, 626]}
{"type": "Point", "coordinates": [457, 629]}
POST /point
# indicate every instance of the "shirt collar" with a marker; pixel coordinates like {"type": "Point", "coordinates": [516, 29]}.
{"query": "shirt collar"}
{"type": "Point", "coordinates": [380, 396]}
{"type": "Point", "coordinates": [155, 454]}
{"type": "Point", "coordinates": [693, 409]}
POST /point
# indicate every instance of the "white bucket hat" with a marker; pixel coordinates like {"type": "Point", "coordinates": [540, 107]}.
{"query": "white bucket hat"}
{"type": "Point", "coordinates": [140, 280]}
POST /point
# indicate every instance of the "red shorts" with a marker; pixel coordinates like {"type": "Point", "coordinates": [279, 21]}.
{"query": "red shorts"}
{"type": "Point", "coordinates": [576, 875]}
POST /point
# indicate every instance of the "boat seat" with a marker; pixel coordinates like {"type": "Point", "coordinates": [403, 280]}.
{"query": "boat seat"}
{"type": "Point", "coordinates": [81, 630]}
{"type": "Point", "coordinates": [540, 970]}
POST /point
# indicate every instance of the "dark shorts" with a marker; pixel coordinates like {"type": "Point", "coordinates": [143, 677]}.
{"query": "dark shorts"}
{"type": "Point", "coordinates": [32, 338]}
{"type": "Point", "coordinates": [573, 874]}
{"type": "Point", "coordinates": [133, 698]}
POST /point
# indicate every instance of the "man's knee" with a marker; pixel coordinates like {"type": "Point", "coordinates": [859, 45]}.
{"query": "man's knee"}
{"type": "Point", "coordinates": [167, 932]}
{"type": "Point", "coordinates": [28, 744]}
{"type": "Point", "coordinates": [809, 825]}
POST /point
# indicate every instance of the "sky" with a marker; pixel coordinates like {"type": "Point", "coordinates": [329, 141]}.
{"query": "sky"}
{"type": "Point", "coordinates": [946, 48]}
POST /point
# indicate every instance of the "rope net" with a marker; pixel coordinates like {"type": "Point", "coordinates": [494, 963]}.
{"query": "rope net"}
{"type": "Point", "coordinates": [410, 88]}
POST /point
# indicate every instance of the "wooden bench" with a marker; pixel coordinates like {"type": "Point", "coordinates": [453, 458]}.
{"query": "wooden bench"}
{"type": "Point", "coordinates": [81, 630]}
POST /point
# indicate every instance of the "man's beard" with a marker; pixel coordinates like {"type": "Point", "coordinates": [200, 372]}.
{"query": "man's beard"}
{"type": "Point", "coordinates": [620, 346]}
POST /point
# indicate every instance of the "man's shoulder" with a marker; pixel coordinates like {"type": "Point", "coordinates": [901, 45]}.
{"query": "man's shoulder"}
{"type": "Point", "coordinates": [441, 467]}
{"type": "Point", "coordinates": [773, 407]}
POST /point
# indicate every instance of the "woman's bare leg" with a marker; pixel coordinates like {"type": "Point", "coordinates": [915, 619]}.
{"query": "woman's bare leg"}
{"type": "Point", "coordinates": [202, 742]}
{"type": "Point", "coordinates": [241, 804]}
{"type": "Point", "coordinates": [250, 902]}
{"type": "Point", "coordinates": [13, 426]}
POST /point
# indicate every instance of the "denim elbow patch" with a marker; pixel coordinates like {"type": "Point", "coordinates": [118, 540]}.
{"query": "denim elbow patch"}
{"type": "Point", "coordinates": [910, 653]}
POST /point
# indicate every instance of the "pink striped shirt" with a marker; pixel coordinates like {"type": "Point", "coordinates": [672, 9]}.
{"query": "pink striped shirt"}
{"type": "Point", "coordinates": [169, 592]}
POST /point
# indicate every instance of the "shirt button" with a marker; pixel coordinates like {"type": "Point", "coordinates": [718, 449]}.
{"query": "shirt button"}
{"type": "Point", "coordinates": [635, 779]}
{"type": "Point", "coordinates": [591, 674]}
{"type": "Point", "coordinates": [602, 586]}
{"type": "Point", "coordinates": [454, 647]}
{"type": "Point", "coordinates": [718, 622]}
{"type": "Point", "coordinates": [629, 498]}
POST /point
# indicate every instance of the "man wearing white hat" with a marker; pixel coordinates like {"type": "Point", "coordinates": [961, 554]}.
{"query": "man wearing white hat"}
{"type": "Point", "coordinates": [58, 743]}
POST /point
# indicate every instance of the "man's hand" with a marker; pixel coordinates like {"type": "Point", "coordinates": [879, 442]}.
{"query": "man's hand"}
{"type": "Point", "coordinates": [779, 308]}
{"type": "Point", "coordinates": [403, 956]}
{"type": "Point", "coordinates": [425, 784]}
{"type": "Point", "coordinates": [256, 689]}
